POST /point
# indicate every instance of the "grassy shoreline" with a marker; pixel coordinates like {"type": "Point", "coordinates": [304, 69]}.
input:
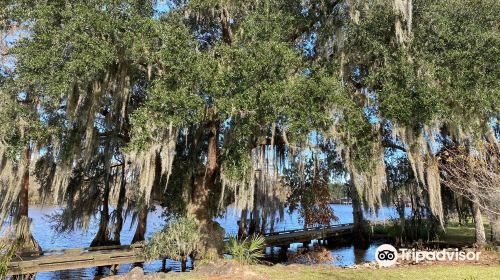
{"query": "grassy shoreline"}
{"type": "Point", "coordinates": [455, 235]}
{"type": "Point", "coordinates": [414, 272]}
{"type": "Point", "coordinates": [313, 272]}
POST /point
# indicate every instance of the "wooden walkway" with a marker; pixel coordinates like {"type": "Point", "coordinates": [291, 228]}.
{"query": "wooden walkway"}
{"type": "Point", "coordinates": [303, 235]}
{"type": "Point", "coordinates": [55, 260]}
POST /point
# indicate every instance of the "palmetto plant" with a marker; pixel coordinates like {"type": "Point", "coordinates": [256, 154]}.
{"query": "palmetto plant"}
{"type": "Point", "coordinates": [246, 251]}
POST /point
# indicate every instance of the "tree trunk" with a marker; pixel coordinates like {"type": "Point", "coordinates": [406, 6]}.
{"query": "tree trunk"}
{"type": "Point", "coordinates": [478, 223]}
{"type": "Point", "coordinates": [271, 226]}
{"type": "Point", "coordinates": [459, 212]}
{"type": "Point", "coordinates": [359, 231]}
{"type": "Point", "coordinates": [263, 222]}
{"type": "Point", "coordinates": [140, 232]}
{"type": "Point", "coordinates": [24, 194]}
{"type": "Point", "coordinates": [119, 208]}
{"type": "Point", "coordinates": [204, 183]}
{"type": "Point", "coordinates": [402, 219]}
{"type": "Point", "coordinates": [254, 222]}
{"type": "Point", "coordinates": [183, 264]}
{"type": "Point", "coordinates": [242, 224]}
{"type": "Point", "coordinates": [199, 208]}
{"type": "Point", "coordinates": [164, 265]}
{"type": "Point", "coordinates": [102, 236]}
{"type": "Point", "coordinates": [25, 242]}
{"type": "Point", "coordinates": [495, 228]}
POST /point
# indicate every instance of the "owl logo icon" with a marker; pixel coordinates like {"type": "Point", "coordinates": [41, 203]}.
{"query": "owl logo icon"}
{"type": "Point", "coordinates": [386, 255]}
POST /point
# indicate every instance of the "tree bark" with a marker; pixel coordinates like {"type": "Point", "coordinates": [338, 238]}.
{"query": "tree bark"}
{"type": "Point", "coordinates": [119, 208]}
{"type": "Point", "coordinates": [199, 208]}
{"type": "Point", "coordinates": [164, 265]}
{"type": "Point", "coordinates": [242, 226]}
{"type": "Point", "coordinates": [254, 222]}
{"type": "Point", "coordinates": [24, 194]}
{"type": "Point", "coordinates": [102, 236]}
{"type": "Point", "coordinates": [25, 242]}
{"type": "Point", "coordinates": [264, 222]}
{"type": "Point", "coordinates": [495, 228]}
{"type": "Point", "coordinates": [459, 214]}
{"type": "Point", "coordinates": [140, 232]}
{"type": "Point", "coordinates": [401, 205]}
{"type": "Point", "coordinates": [479, 226]}
{"type": "Point", "coordinates": [359, 230]}
{"type": "Point", "coordinates": [227, 34]}
{"type": "Point", "coordinates": [183, 264]}
{"type": "Point", "coordinates": [204, 183]}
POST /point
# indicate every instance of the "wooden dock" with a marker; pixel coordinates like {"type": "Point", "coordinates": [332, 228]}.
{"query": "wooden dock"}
{"type": "Point", "coordinates": [287, 237]}
{"type": "Point", "coordinates": [55, 260]}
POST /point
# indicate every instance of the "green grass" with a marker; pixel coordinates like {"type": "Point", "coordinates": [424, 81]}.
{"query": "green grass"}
{"type": "Point", "coordinates": [421, 273]}
{"type": "Point", "coordinates": [314, 272]}
{"type": "Point", "coordinates": [465, 233]}
{"type": "Point", "coordinates": [455, 234]}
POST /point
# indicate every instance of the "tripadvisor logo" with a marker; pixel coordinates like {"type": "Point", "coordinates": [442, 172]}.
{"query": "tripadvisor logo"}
{"type": "Point", "coordinates": [386, 255]}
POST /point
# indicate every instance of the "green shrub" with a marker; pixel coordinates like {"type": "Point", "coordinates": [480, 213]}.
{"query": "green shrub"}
{"type": "Point", "coordinates": [414, 229]}
{"type": "Point", "coordinates": [178, 240]}
{"type": "Point", "coordinates": [6, 253]}
{"type": "Point", "coordinates": [247, 251]}
{"type": "Point", "coordinates": [422, 229]}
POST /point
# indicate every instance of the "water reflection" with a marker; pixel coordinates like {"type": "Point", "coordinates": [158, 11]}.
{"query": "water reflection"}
{"type": "Point", "coordinates": [348, 255]}
{"type": "Point", "coordinates": [99, 273]}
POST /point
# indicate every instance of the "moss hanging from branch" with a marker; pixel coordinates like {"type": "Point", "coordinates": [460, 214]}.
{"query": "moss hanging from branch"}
{"type": "Point", "coordinates": [434, 188]}
{"type": "Point", "coordinates": [424, 165]}
{"type": "Point", "coordinates": [142, 163]}
{"type": "Point", "coordinates": [371, 182]}
{"type": "Point", "coordinates": [259, 185]}
{"type": "Point", "coordinates": [10, 188]}
{"type": "Point", "coordinates": [403, 24]}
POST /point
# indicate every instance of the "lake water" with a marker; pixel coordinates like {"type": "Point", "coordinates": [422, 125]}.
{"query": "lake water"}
{"type": "Point", "coordinates": [49, 239]}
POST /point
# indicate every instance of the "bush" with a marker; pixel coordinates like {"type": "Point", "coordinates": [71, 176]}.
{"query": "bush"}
{"type": "Point", "coordinates": [6, 253]}
{"type": "Point", "coordinates": [247, 251]}
{"type": "Point", "coordinates": [426, 229]}
{"type": "Point", "coordinates": [178, 240]}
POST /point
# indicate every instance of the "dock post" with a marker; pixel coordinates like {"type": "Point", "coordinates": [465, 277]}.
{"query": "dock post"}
{"type": "Point", "coordinates": [283, 252]}
{"type": "Point", "coordinates": [164, 265]}
{"type": "Point", "coordinates": [330, 241]}
{"type": "Point", "coordinates": [113, 270]}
